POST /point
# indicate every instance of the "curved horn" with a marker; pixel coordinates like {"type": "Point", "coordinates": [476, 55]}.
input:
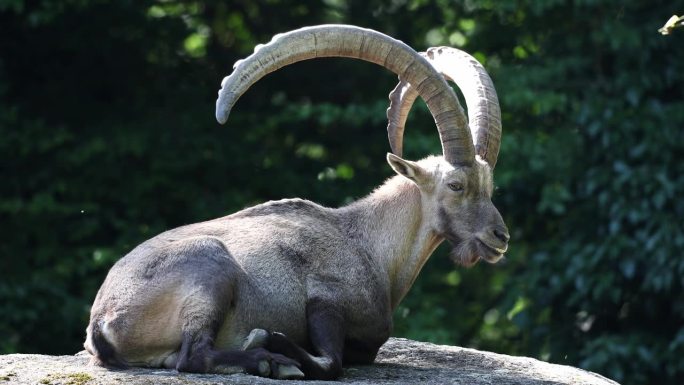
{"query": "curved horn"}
{"type": "Point", "coordinates": [401, 101]}
{"type": "Point", "coordinates": [364, 44]}
{"type": "Point", "coordinates": [479, 93]}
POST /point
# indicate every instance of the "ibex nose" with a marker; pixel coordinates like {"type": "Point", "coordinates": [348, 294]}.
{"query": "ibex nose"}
{"type": "Point", "coordinates": [501, 233]}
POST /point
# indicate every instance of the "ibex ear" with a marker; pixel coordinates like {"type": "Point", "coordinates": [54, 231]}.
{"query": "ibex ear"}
{"type": "Point", "coordinates": [408, 169]}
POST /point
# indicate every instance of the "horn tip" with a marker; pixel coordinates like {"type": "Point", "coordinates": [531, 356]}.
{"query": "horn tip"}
{"type": "Point", "coordinates": [225, 101]}
{"type": "Point", "coordinates": [222, 110]}
{"type": "Point", "coordinates": [221, 117]}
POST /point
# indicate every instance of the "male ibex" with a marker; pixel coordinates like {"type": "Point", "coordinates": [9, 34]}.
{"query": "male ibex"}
{"type": "Point", "coordinates": [291, 289]}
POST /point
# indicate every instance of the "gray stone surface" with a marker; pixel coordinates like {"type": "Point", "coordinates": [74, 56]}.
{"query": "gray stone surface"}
{"type": "Point", "coordinates": [400, 361]}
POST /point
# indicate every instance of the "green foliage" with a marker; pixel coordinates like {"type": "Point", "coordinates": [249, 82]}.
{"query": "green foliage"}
{"type": "Point", "coordinates": [107, 138]}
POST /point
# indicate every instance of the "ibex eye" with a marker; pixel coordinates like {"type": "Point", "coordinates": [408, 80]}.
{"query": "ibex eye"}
{"type": "Point", "coordinates": [456, 186]}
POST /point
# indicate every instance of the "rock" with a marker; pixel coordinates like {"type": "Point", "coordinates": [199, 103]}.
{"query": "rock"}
{"type": "Point", "coordinates": [400, 361]}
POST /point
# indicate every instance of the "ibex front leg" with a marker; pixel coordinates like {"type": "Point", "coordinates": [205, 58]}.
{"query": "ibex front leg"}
{"type": "Point", "coordinates": [326, 334]}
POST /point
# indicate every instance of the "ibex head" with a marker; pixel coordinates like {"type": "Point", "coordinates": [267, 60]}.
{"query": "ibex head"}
{"type": "Point", "coordinates": [457, 202]}
{"type": "Point", "coordinates": [457, 187]}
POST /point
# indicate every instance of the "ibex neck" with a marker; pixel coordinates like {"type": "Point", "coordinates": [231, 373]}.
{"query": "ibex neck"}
{"type": "Point", "coordinates": [391, 224]}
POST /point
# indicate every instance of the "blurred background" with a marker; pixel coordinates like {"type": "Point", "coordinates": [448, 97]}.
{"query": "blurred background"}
{"type": "Point", "coordinates": [108, 137]}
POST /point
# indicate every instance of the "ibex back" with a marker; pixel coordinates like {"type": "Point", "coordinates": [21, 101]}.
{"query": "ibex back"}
{"type": "Point", "coordinates": [291, 289]}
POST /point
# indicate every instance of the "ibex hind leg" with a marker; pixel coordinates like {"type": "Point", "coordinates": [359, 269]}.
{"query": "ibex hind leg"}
{"type": "Point", "coordinates": [203, 313]}
{"type": "Point", "coordinates": [325, 326]}
{"type": "Point", "coordinates": [198, 355]}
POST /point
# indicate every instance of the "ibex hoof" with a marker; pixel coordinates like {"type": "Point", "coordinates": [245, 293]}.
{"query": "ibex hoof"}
{"type": "Point", "coordinates": [289, 372]}
{"type": "Point", "coordinates": [257, 338]}
{"type": "Point", "coordinates": [264, 368]}
{"type": "Point", "coordinates": [273, 365]}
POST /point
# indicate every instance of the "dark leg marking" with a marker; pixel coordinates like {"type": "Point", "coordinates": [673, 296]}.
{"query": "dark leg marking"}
{"type": "Point", "coordinates": [197, 355]}
{"type": "Point", "coordinates": [360, 353]}
{"type": "Point", "coordinates": [194, 349]}
{"type": "Point", "coordinates": [326, 335]}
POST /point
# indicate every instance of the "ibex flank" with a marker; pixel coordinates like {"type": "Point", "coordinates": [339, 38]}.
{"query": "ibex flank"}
{"type": "Point", "coordinates": [291, 289]}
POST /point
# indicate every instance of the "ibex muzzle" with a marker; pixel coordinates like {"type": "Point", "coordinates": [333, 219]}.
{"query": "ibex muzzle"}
{"type": "Point", "coordinates": [291, 289]}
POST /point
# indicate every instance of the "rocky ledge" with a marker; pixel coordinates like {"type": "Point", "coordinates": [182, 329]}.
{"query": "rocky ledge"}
{"type": "Point", "coordinates": [400, 361]}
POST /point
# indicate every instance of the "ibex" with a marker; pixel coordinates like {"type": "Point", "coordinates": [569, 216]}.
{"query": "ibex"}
{"type": "Point", "coordinates": [291, 289]}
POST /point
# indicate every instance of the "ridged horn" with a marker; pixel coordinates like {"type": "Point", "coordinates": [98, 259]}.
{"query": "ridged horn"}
{"type": "Point", "coordinates": [478, 90]}
{"type": "Point", "coordinates": [365, 44]}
